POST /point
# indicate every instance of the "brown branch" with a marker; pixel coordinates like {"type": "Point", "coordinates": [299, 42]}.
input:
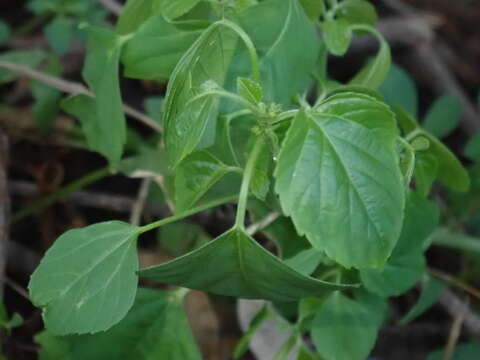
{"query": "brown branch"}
{"type": "Point", "coordinates": [74, 88]}
{"type": "Point", "coordinates": [455, 282]}
{"type": "Point", "coordinates": [456, 330]}
{"type": "Point", "coordinates": [4, 208]}
{"type": "Point", "coordinates": [454, 306]}
{"type": "Point", "coordinates": [139, 204]}
{"type": "Point", "coordinates": [93, 199]}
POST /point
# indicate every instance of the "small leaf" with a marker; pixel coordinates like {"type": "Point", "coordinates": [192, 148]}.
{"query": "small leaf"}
{"type": "Point", "coordinates": [181, 237]}
{"type": "Point", "coordinates": [357, 148]}
{"type": "Point", "coordinates": [260, 183]}
{"type": "Point", "coordinates": [399, 89]}
{"type": "Point", "coordinates": [250, 90]}
{"type": "Point", "coordinates": [405, 120]}
{"type": "Point", "coordinates": [407, 263]}
{"type": "Point", "coordinates": [155, 49]}
{"type": "Point", "coordinates": [443, 116]}
{"type": "Point", "coordinates": [174, 9]}
{"type": "Point", "coordinates": [84, 108]}
{"type": "Point", "coordinates": [375, 72]}
{"type": "Point", "coordinates": [426, 171]}
{"type": "Point", "coordinates": [203, 66]}
{"type": "Point", "coordinates": [101, 74]}
{"type": "Point", "coordinates": [337, 36]}
{"type": "Point", "coordinates": [195, 175]}
{"type": "Point", "coordinates": [431, 291]}
{"type": "Point", "coordinates": [86, 281]}
{"type": "Point", "coordinates": [357, 12]}
{"type": "Point", "coordinates": [450, 170]}
{"type": "Point", "coordinates": [46, 98]}
{"type": "Point", "coordinates": [149, 163]}
{"type": "Point", "coordinates": [59, 33]}
{"type": "Point", "coordinates": [234, 264]}
{"type": "Point", "coordinates": [472, 149]}
{"type": "Point", "coordinates": [306, 261]}
{"type": "Point", "coordinates": [156, 327]}
{"type": "Point", "coordinates": [341, 320]}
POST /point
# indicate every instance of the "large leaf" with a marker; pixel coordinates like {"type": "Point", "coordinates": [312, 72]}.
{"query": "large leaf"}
{"type": "Point", "coordinates": [202, 67]}
{"type": "Point", "coordinates": [344, 329]}
{"type": "Point", "coordinates": [86, 282]}
{"type": "Point", "coordinates": [101, 74]}
{"type": "Point", "coordinates": [156, 327]}
{"type": "Point", "coordinates": [407, 263]}
{"type": "Point", "coordinates": [338, 178]}
{"type": "Point", "coordinates": [443, 116]}
{"type": "Point", "coordinates": [174, 9]}
{"type": "Point", "coordinates": [155, 49]}
{"type": "Point", "coordinates": [234, 264]}
{"type": "Point", "coordinates": [196, 174]}
{"type": "Point", "coordinates": [275, 27]}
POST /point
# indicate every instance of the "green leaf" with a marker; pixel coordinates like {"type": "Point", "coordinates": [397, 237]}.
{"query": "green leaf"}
{"type": "Point", "coordinates": [234, 264]}
{"type": "Point", "coordinates": [46, 98]}
{"type": "Point", "coordinates": [275, 27]}
{"type": "Point", "coordinates": [472, 149]}
{"type": "Point", "coordinates": [399, 89]}
{"type": "Point", "coordinates": [313, 8]}
{"type": "Point", "coordinates": [101, 74]}
{"type": "Point", "coordinates": [341, 320]}
{"type": "Point", "coordinates": [155, 49]}
{"type": "Point", "coordinates": [375, 72]}
{"type": "Point", "coordinates": [84, 108]}
{"type": "Point", "coordinates": [337, 36]}
{"type": "Point", "coordinates": [59, 33]}
{"type": "Point", "coordinates": [180, 237]}
{"type": "Point", "coordinates": [244, 342]}
{"type": "Point", "coordinates": [4, 32]}
{"type": "Point", "coordinates": [431, 291]}
{"type": "Point", "coordinates": [249, 90]}
{"type": "Point", "coordinates": [86, 281]}
{"type": "Point", "coordinates": [260, 183]}
{"type": "Point", "coordinates": [305, 261]}
{"type": "Point", "coordinates": [202, 68]}
{"type": "Point", "coordinates": [156, 327]}
{"type": "Point", "coordinates": [405, 120]}
{"type": "Point", "coordinates": [195, 175]}
{"type": "Point", "coordinates": [426, 171]}
{"type": "Point", "coordinates": [174, 9]}
{"type": "Point", "coordinates": [135, 13]}
{"type": "Point", "coordinates": [407, 263]}
{"type": "Point", "coordinates": [450, 170]}
{"type": "Point", "coordinates": [467, 351]}
{"type": "Point", "coordinates": [443, 116]}
{"type": "Point", "coordinates": [28, 58]}
{"type": "Point", "coordinates": [356, 148]}
{"type": "Point", "coordinates": [357, 12]}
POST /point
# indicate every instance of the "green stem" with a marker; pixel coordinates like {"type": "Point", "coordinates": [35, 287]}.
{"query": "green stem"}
{"type": "Point", "coordinates": [60, 193]}
{"type": "Point", "coordinates": [247, 176]}
{"type": "Point", "coordinates": [250, 47]}
{"type": "Point", "coordinates": [185, 214]}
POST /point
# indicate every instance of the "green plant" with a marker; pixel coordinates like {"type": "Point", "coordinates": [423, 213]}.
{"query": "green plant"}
{"type": "Point", "coordinates": [250, 117]}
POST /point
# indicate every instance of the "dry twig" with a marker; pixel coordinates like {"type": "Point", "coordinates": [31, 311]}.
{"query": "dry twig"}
{"type": "Point", "coordinates": [74, 88]}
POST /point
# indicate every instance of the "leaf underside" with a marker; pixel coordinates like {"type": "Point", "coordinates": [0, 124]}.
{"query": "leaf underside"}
{"type": "Point", "coordinates": [236, 265]}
